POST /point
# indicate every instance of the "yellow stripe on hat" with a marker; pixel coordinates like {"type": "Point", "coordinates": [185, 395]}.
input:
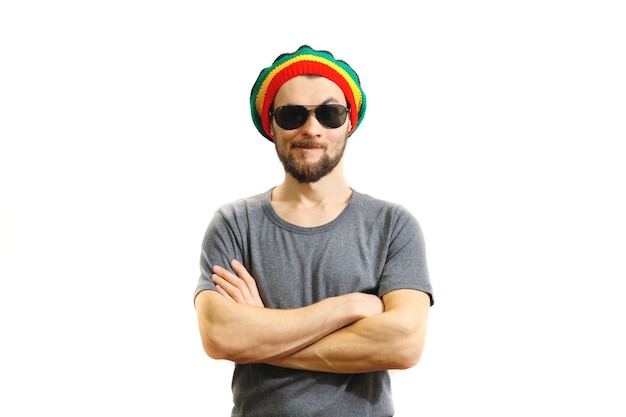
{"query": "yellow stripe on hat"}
{"type": "Point", "coordinates": [356, 92]}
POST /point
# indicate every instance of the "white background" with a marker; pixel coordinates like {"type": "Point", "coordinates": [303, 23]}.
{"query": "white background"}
{"type": "Point", "coordinates": [125, 124]}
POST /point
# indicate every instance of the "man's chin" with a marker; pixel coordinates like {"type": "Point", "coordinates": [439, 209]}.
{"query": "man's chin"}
{"type": "Point", "coordinates": [307, 174]}
{"type": "Point", "coordinates": [309, 171]}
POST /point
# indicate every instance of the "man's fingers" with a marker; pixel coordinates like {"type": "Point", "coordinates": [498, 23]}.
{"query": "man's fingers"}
{"type": "Point", "coordinates": [225, 274]}
{"type": "Point", "coordinates": [240, 287]}
{"type": "Point", "coordinates": [223, 292]}
{"type": "Point", "coordinates": [229, 290]}
{"type": "Point", "coordinates": [243, 273]}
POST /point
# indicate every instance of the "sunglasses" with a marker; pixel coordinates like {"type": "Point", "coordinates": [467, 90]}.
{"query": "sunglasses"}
{"type": "Point", "coordinates": [292, 117]}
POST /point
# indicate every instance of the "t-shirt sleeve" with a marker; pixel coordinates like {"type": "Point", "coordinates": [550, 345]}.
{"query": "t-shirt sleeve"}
{"type": "Point", "coordinates": [219, 247]}
{"type": "Point", "coordinates": [406, 266]}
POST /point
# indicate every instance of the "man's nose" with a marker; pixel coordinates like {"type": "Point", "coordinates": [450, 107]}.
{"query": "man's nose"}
{"type": "Point", "coordinates": [312, 125]}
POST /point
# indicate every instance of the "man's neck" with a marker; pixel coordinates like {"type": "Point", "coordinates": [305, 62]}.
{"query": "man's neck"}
{"type": "Point", "coordinates": [311, 204]}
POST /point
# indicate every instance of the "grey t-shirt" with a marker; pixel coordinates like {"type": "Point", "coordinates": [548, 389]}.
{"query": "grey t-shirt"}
{"type": "Point", "coordinates": [373, 246]}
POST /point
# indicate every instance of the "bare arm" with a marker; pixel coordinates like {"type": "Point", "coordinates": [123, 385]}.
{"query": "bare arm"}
{"type": "Point", "coordinates": [391, 340]}
{"type": "Point", "coordinates": [233, 326]}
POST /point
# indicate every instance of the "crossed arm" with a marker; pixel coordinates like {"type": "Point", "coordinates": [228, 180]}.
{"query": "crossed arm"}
{"type": "Point", "coordinates": [346, 334]}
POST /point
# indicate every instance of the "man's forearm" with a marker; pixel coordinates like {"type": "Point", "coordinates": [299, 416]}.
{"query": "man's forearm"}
{"type": "Point", "coordinates": [245, 334]}
{"type": "Point", "coordinates": [392, 340]}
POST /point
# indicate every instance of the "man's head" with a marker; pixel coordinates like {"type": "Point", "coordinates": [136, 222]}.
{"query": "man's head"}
{"type": "Point", "coordinates": [305, 61]}
{"type": "Point", "coordinates": [310, 127]}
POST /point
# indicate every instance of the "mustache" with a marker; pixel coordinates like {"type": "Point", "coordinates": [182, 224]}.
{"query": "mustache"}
{"type": "Point", "coordinates": [307, 143]}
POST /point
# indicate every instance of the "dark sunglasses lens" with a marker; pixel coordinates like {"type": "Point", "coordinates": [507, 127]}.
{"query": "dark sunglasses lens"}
{"type": "Point", "coordinates": [331, 115]}
{"type": "Point", "coordinates": [291, 117]}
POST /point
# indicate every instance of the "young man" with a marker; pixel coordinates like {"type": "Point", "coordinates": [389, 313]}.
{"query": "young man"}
{"type": "Point", "coordinates": [313, 289]}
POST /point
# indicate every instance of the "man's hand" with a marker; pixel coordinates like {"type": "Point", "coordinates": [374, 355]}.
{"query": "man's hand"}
{"type": "Point", "coordinates": [292, 338]}
{"type": "Point", "coordinates": [240, 288]}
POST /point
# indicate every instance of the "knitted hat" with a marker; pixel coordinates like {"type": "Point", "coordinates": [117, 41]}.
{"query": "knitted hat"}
{"type": "Point", "coordinates": [304, 61]}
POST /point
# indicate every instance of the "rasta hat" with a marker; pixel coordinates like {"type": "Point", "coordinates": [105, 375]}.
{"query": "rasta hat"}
{"type": "Point", "coordinates": [304, 61]}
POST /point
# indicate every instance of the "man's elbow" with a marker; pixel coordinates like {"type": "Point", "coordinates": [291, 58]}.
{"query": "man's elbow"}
{"type": "Point", "coordinates": [216, 349]}
{"type": "Point", "coordinates": [218, 341]}
{"type": "Point", "coordinates": [213, 350]}
{"type": "Point", "coordinates": [408, 357]}
{"type": "Point", "coordinates": [219, 348]}
{"type": "Point", "coordinates": [408, 350]}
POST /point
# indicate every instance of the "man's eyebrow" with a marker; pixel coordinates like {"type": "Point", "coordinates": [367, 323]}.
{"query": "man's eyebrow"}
{"type": "Point", "coordinates": [330, 100]}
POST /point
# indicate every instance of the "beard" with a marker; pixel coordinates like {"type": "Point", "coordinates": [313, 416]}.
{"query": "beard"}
{"type": "Point", "coordinates": [307, 172]}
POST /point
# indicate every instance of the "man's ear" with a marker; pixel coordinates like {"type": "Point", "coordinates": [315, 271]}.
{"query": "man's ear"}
{"type": "Point", "coordinates": [271, 121]}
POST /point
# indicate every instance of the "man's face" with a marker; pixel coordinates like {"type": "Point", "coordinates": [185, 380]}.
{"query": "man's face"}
{"type": "Point", "coordinates": [310, 151]}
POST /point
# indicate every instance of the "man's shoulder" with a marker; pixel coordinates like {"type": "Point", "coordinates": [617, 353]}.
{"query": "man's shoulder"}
{"type": "Point", "coordinates": [245, 203]}
{"type": "Point", "coordinates": [369, 202]}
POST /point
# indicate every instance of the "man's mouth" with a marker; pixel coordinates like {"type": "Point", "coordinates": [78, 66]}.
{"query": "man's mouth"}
{"type": "Point", "coordinates": [308, 145]}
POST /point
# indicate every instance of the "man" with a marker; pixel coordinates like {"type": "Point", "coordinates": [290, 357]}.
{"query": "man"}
{"type": "Point", "coordinates": [313, 289]}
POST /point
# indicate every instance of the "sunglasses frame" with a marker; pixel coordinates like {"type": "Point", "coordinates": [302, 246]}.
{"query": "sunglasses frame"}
{"type": "Point", "coordinates": [320, 107]}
